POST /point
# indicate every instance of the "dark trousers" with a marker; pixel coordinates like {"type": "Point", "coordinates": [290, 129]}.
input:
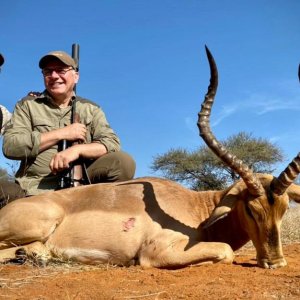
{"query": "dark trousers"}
{"type": "Point", "coordinates": [111, 167]}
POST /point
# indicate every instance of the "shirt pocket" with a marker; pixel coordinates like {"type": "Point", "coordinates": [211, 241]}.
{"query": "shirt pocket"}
{"type": "Point", "coordinates": [43, 125]}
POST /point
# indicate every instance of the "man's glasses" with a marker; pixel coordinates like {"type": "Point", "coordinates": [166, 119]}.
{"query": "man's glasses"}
{"type": "Point", "coordinates": [59, 71]}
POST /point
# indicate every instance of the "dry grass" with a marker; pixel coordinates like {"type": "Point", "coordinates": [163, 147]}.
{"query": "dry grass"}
{"type": "Point", "coordinates": [290, 228]}
{"type": "Point", "coordinates": [54, 268]}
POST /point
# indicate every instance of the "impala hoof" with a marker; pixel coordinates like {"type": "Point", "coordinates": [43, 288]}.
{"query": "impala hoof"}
{"type": "Point", "coordinates": [20, 258]}
{"type": "Point", "coordinates": [274, 264]}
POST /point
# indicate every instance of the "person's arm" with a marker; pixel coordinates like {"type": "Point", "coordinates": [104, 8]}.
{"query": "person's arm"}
{"type": "Point", "coordinates": [73, 132]}
{"type": "Point", "coordinates": [19, 141]}
{"type": "Point", "coordinates": [5, 116]}
{"type": "Point", "coordinates": [62, 159]}
{"type": "Point", "coordinates": [104, 140]}
{"type": "Point", "coordinates": [103, 133]}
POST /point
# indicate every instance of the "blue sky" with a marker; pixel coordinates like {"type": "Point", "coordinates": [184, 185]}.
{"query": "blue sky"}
{"type": "Point", "coordinates": [144, 63]}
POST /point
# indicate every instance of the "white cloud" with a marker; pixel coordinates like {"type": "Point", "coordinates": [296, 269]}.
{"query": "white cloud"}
{"type": "Point", "coordinates": [225, 113]}
{"type": "Point", "coordinates": [262, 104]}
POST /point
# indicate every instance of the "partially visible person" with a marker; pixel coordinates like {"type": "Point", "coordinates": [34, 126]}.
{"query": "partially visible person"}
{"type": "Point", "coordinates": [9, 190]}
{"type": "Point", "coordinates": [39, 123]}
{"type": "Point", "coordinates": [5, 116]}
{"type": "Point", "coordinates": [1, 60]}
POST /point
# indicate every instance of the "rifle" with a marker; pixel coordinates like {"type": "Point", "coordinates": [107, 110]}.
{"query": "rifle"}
{"type": "Point", "coordinates": [1, 114]}
{"type": "Point", "coordinates": [1, 120]}
{"type": "Point", "coordinates": [74, 175]}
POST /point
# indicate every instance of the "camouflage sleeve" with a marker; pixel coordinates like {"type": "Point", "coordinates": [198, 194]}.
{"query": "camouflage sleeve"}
{"type": "Point", "coordinates": [5, 116]}
{"type": "Point", "coordinates": [19, 141]}
{"type": "Point", "coordinates": [103, 133]}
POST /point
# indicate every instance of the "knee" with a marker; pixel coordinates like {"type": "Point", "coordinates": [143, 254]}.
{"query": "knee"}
{"type": "Point", "coordinates": [227, 256]}
{"type": "Point", "coordinates": [125, 165]}
{"type": "Point", "coordinates": [114, 166]}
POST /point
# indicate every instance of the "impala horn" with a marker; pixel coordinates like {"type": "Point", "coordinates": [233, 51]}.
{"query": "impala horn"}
{"type": "Point", "coordinates": [254, 186]}
{"type": "Point", "coordinates": [286, 178]}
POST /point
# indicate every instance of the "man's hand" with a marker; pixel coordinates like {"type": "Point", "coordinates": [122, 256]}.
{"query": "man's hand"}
{"type": "Point", "coordinates": [62, 159]}
{"type": "Point", "coordinates": [74, 132]}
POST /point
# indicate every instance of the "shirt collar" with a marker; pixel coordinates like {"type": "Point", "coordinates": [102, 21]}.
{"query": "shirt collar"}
{"type": "Point", "coordinates": [49, 98]}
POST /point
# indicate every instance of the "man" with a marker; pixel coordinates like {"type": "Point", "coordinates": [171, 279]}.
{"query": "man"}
{"type": "Point", "coordinates": [8, 190]}
{"type": "Point", "coordinates": [41, 122]}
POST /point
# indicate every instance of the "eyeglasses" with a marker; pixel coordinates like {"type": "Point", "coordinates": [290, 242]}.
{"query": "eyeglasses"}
{"type": "Point", "coordinates": [59, 71]}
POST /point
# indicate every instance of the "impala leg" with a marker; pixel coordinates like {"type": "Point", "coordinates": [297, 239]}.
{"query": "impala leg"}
{"type": "Point", "coordinates": [36, 251]}
{"type": "Point", "coordinates": [8, 254]}
{"type": "Point", "coordinates": [22, 223]}
{"type": "Point", "coordinates": [175, 255]}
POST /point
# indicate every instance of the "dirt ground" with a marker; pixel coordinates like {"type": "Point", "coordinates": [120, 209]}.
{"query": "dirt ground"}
{"type": "Point", "coordinates": [242, 280]}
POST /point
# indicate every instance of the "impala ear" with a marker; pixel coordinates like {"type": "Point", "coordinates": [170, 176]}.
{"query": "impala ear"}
{"type": "Point", "coordinates": [293, 192]}
{"type": "Point", "coordinates": [219, 213]}
{"type": "Point", "coordinates": [222, 210]}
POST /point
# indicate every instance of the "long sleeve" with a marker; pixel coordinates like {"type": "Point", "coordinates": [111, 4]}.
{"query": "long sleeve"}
{"type": "Point", "coordinates": [103, 133]}
{"type": "Point", "coordinates": [20, 141]}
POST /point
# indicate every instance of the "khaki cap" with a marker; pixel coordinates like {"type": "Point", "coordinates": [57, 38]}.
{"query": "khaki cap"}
{"type": "Point", "coordinates": [1, 60]}
{"type": "Point", "coordinates": [60, 55]}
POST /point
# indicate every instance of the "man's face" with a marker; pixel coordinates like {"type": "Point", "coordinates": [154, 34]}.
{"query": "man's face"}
{"type": "Point", "coordinates": [59, 80]}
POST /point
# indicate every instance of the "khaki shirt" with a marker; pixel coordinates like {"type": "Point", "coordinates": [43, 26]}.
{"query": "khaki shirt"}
{"type": "Point", "coordinates": [33, 116]}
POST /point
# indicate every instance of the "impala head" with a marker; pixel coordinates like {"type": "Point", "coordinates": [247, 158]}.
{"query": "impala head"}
{"type": "Point", "coordinates": [261, 216]}
{"type": "Point", "coordinates": [259, 201]}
